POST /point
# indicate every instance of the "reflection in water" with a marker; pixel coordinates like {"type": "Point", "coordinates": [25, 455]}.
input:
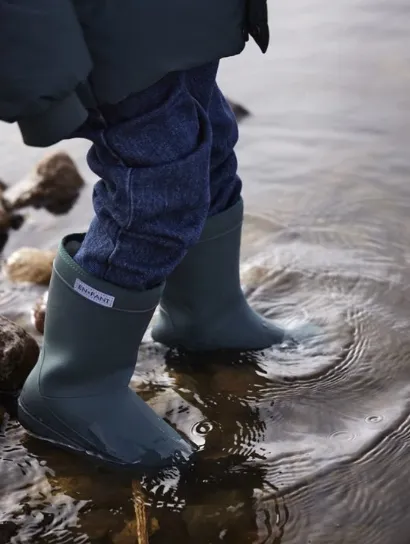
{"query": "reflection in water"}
{"type": "Point", "coordinates": [296, 445]}
{"type": "Point", "coordinates": [224, 495]}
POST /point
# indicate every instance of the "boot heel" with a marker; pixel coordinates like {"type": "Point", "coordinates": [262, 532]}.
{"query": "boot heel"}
{"type": "Point", "coordinates": [40, 430]}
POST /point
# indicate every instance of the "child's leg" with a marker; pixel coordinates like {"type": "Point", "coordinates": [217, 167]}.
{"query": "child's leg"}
{"type": "Point", "coordinates": [152, 153]}
{"type": "Point", "coordinates": [225, 184]}
{"type": "Point", "coordinates": [203, 306]}
{"type": "Point", "coordinates": [153, 198]}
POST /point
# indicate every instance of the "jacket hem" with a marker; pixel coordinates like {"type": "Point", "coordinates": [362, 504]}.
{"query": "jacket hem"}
{"type": "Point", "coordinates": [58, 122]}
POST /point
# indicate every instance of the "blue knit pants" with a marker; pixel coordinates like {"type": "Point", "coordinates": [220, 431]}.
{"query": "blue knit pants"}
{"type": "Point", "coordinates": [166, 161]}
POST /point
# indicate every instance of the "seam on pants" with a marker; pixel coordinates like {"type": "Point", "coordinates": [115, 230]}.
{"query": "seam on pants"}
{"type": "Point", "coordinates": [120, 230]}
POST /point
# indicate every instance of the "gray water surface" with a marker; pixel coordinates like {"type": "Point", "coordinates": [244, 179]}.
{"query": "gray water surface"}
{"type": "Point", "coordinates": [299, 446]}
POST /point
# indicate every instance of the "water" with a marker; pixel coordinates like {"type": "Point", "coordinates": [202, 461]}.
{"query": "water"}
{"type": "Point", "coordinates": [300, 446]}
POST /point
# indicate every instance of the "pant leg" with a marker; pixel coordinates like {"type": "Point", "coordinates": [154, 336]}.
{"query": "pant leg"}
{"type": "Point", "coordinates": [225, 184]}
{"type": "Point", "coordinates": [152, 153]}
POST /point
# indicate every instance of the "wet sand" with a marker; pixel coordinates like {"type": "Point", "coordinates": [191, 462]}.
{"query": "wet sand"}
{"type": "Point", "coordinates": [307, 445]}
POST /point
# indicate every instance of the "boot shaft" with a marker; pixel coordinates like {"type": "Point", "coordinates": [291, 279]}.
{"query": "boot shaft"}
{"type": "Point", "coordinates": [209, 278]}
{"type": "Point", "coordinates": [92, 330]}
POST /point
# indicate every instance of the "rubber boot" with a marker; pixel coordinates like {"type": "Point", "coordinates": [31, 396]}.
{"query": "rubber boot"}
{"type": "Point", "coordinates": [203, 307]}
{"type": "Point", "coordinates": [78, 394]}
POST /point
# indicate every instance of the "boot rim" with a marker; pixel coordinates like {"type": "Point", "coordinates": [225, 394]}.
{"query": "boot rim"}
{"type": "Point", "coordinates": [223, 223]}
{"type": "Point", "coordinates": [96, 290]}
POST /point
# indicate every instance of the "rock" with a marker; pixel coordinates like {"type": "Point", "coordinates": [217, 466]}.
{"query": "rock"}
{"type": "Point", "coordinates": [30, 265]}
{"type": "Point", "coordinates": [8, 530]}
{"type": "Point", "coordinates": [240, 111]}
{"type": "Point", "coordinates": [18, 355]}
{"type": "Point", "coordinates": [16, 221]}
{"type": "Point", "coordinates": [8, 220]}
{"type": "Point", "coordinates": [55, 186]}
{"type": "Point", "coordinates": [106, 491]}
{"type": "Point", "coordinates": [99, 525]}
{"type": "Point", "coordinates": [38, 314]}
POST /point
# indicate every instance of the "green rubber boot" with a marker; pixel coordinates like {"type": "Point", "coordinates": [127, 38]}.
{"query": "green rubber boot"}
{"type": "Point", "coordinates": [77, 396]}
{"type": "Point", "coordinates": [203, 307]}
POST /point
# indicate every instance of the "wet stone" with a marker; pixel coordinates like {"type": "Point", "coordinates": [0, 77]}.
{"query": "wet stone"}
{"type": "Point", "coordinates": [8, 530]}
{"type": "Point", "coordinates": [9, 220]}
{"type": "Point", "coordinates": [106, 491]}
{"type": "Point", "coordinates": [30, 265]}
{"type": "Point", "coordinates": [99, 525]}
{"type": "Point", "coordinates": [39, 313]}
{"type": "Point", "coordinates": [18, 355]}
{"type": "Point", "coordinates": [54, 186]}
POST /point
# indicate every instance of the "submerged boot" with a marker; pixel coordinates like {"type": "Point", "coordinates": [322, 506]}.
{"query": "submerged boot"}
{"type": "Point", "coordinates": [203, 306]}
{"type": "Point", "coordinates": [77, 396]}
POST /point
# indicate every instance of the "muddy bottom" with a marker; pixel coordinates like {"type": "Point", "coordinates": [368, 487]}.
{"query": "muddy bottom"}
{"type": "Point", "coordinates": [298, 446]}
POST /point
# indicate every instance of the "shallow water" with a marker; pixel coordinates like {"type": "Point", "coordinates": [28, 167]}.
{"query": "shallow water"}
{"type": "Point", "coordinates": [298, 446]}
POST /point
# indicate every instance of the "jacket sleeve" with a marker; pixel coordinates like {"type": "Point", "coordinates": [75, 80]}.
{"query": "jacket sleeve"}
{"type": "Point", "coordinates": [43, 59]}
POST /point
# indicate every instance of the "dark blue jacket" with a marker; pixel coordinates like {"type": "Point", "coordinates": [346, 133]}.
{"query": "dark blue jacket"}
{"type": "Point", "coordinates": [59, 58]}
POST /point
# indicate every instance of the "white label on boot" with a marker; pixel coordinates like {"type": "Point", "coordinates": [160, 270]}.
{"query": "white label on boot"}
{"type": "Point", "coordinates": [92, 294]}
